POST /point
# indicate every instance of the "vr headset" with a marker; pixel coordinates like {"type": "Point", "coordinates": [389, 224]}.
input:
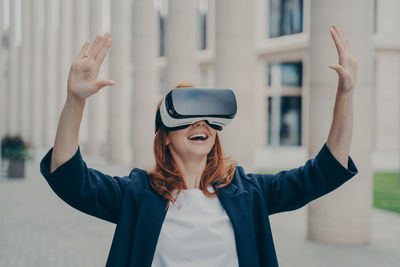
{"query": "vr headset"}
{"type": "Point", "coordinates": [182, 107]}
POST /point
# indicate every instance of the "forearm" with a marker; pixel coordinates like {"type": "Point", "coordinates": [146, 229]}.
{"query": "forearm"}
{"type": "Point", "coordinates": [67, 136]}
{"type": "Point", "coordinates": [340, 134]}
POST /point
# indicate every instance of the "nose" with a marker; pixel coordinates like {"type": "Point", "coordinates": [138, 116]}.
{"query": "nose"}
{"type": "Point", "coordinates": [200, 123]}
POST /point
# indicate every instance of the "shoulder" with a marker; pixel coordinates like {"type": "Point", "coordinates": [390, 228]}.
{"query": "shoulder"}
{"type": "Point", "coordinates": [139, 178]}
{"type": "Point", "coordinates": [246, 180]}
{"type": "Point", "coordinates": [244, 176]}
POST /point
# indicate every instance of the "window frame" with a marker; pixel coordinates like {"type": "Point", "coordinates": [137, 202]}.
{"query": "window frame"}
{"type": "Point", "coordinates": [266, 29]}
{"type": "Point", "coordinates": [286, 91]}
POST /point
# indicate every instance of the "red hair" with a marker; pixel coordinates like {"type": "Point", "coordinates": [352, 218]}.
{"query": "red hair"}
{"type": "Point", "coordinates": [166, 177]}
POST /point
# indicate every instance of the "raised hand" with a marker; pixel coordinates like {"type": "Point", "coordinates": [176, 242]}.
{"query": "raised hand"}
{"type": "Point", "coordinates": [347, 67]}
{"type": "Point", "coordinates": [82, 79]}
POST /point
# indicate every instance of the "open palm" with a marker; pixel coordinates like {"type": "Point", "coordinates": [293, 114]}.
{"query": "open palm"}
{"type": "Point", "coordinates": [347, 67]}
{"type": "Point", "coordinates": [82, 79]}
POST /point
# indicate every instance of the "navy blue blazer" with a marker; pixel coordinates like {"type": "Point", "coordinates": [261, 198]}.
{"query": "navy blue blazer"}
{"type": "Point", "coordinates": [132, 204]}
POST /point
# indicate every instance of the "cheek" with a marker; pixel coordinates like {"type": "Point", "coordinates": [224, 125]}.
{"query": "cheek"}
{"type": "Point", "coordinates": [177, 138]}
{"type": "Point", "coordinates": [213, 141]}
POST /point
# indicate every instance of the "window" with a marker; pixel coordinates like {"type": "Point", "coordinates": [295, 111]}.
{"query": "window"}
{"type": "Point", "coordinates": [284, 119]}
{"type": "Point", "coordinates": [161, 21]}
{"type": "Point", "coordinates": [162, 10]}
{"type": "Point", "coordinates": [291, 73]}
{"type": "Point", "coordinates": [284, 103]}
{"type": "Point", "coordinates": [162, 84]}
{"type": "Point", "coordinates": [285, 17]}
{"type": "Point", "coordinates": [375, 15]}
{"type": "Point", "coordinates": [203, 14]}
{"type": "Point", "coordinates": [203, 81]}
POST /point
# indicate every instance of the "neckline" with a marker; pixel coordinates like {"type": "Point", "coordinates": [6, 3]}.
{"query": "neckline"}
{"type": "Point", "coordinates": [210, 189]}
{"type": "Point", "coordinates": [190, 189]}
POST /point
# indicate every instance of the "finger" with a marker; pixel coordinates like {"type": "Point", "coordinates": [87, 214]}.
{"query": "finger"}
{"type": "Point", "coordinates": [102, 83]}
{"type": "Point", "coordinates": [338, 68]}
{"type": "Point", "coordinates": [337, 41]}
{"type": "Point", "coordinates": [98, 48]}
{"type": "Point", "coordinates": [83, 49]}
{"type": "Point", "coordinates": [345, 42]}
{"type": "Point", "coordinates": [103, 52]}
{"type": "Point", "coordinates": [348, 45]}
{"type": "Point", "coordinates": [94, 46]}
{"type": "Point", "coordinates": [339, 32]}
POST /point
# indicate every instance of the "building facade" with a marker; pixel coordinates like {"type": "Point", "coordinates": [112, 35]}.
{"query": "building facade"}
{"type": "Point", "coordinates": [273, 53]}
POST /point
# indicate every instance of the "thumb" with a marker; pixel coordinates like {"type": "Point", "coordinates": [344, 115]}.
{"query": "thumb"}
{"type": "Point", "coordinates": [102, 83]}
{"type": "Point", "coordinates": [339, 69]}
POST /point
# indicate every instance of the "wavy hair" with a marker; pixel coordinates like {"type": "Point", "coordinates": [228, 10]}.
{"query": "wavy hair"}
{"type": "Point", "coordinates": [165, 177]}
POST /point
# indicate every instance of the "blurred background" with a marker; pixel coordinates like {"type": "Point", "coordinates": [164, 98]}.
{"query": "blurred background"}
{"type": "Point", "coordinates": [274, 54]}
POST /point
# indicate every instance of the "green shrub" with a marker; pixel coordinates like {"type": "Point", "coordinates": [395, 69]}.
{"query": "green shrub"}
{"type": "Point", "coordinates": [13, 147]}
{"type": "Point", "coordinates": [387, 191]}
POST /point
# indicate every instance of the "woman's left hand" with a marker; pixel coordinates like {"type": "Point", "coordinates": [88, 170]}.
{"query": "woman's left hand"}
{"type": "Point", "coordinates": [347, 67]}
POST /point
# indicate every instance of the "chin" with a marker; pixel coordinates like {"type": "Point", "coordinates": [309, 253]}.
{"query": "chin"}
{"type": "Point", "coordinates": [200, 151]}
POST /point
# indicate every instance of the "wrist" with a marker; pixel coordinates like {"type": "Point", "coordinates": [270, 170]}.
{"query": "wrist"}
{"type": "Point", "coordinates": [345, 93]}
{"type": "Point", "coordinates": [75, 102]}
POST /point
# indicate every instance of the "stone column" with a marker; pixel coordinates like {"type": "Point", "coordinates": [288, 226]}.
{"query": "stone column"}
{"type": "Point", "coordinates": [13, 75]}
{"type": "Point", "coordinates": [3, 79]}
{"type": "Point", "coordinates": [37, 107]}
{"type": "Point", "coordinates": [387, 95]}
{"type": "Point", "coordinates": [51, 73]}
{"type": "Point", "coordinates": [234, 69]}
{"type": "Point", "coordinates": [211, 20]}
{"type": "Point", "coordinates": [97, 104]}
{"type": "Point", "coordinates": [80, 36]}
{"type": "Point", "coordinates": [26, 73]}
{"type": "Point", "coordinates": [66, 55]}
{"type": "Point", "coordinates": [120, 95]}
{"type": "Point", "coordinates": [344, 215]}
{"type": "Point", "coordinates": [181, 42]}
{"type": "Point", "coordinates": [144, 51]}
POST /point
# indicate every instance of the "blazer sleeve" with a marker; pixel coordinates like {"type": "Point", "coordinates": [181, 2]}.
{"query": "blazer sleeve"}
{"type": "Point", "coordinates": [85, 189]}
{"type": "Point", "coordinates": [291, 189]}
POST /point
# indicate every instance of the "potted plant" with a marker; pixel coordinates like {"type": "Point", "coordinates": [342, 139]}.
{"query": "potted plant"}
{"type": "Point", "coordinates": [16, 151]}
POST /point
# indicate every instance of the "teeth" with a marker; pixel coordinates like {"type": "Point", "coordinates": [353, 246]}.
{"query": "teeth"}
{"type": "Point", "coordinates": [198, 135]}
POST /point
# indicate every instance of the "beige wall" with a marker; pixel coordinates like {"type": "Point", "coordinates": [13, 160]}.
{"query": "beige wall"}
{"type": "Point", "coordinates": [387, 86]}
{"type": "Point", "coordinates": [387, 100]}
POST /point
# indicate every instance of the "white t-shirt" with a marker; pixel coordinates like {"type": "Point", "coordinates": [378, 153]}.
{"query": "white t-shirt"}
{"type": "Point", "coordinates": [196, 232]}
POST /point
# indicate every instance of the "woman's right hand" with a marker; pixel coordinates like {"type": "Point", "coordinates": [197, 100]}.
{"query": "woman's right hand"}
{"type": "Point", "coordinates": [82, 79]}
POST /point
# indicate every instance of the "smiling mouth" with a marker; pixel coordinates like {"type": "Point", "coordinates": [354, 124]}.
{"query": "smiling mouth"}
{"type": "Point", "coordinates": [198, 137]}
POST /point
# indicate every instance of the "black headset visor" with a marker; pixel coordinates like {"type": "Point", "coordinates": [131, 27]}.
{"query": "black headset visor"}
{"type": "Point", "coordinates": [184, 106]}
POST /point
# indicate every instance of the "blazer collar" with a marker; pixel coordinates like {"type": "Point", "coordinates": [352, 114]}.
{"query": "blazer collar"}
{"type": "Point", "coordinates": [236, 204]}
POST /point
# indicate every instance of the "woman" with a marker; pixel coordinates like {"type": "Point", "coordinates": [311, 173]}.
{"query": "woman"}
{"type": "Point", "coordinates": [231, 229]}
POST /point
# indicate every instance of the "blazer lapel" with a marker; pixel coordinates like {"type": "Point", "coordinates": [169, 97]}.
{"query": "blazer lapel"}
{"type": "Point", "coordinates": [237, 206]}
{"type": "Point", "coordinates": [150, 219]}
